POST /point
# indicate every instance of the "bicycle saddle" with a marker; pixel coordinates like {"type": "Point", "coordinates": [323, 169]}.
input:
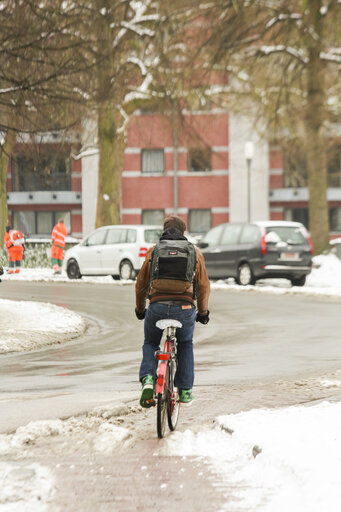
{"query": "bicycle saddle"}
{"type": "Point", "coordinates": [168, 322]}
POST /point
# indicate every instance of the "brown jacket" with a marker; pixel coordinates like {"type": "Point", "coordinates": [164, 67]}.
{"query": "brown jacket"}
{"type": "Point", "coordinates": [144, 291]}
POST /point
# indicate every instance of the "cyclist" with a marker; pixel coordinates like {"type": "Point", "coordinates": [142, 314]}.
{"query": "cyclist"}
{"type": "Point", "coordinates": [171, 301]}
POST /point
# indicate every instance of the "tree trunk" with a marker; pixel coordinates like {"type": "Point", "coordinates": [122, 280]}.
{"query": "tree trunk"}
{"type": "Point", "coordinates": [316, 154]}
{"type": "Point", "coordinates": [5, 153]}
{"type": "Point", "coordinates": [175, 126]}
{"type": "Point", "coordinates": [111, 153]}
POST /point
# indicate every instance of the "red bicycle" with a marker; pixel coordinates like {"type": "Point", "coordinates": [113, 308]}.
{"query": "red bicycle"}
{"type": "Point", "coordinates": [165, 394]}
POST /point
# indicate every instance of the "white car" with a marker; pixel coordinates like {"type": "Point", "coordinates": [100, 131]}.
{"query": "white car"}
{"type": "Point", "coordinates": [118, 251]}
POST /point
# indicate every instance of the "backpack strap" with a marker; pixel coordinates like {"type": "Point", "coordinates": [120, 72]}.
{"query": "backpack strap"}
{"type": "Point", "coordinates": [195, 288]}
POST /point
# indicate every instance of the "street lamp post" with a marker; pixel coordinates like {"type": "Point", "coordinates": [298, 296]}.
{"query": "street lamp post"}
{"type": "Point", "coordinates": [249, 152]}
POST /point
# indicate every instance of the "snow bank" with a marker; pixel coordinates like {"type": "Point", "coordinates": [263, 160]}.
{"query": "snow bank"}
{"type": "Point", "coordinates": [102, 433]}
{"type": "Point", "coordinates": [25, 487]}
{"type": "Point", "coordinates": [28, 325]}
{"type": "Point", "coordinates": [273, 460]}
{"type": "Point", "coordinates": [46, 275]}
{"type": "Point", "coordinates": [28, 487]}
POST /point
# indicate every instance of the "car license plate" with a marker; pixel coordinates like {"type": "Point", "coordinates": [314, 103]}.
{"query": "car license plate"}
{"type": "Point", "coordinates": [289, 256]}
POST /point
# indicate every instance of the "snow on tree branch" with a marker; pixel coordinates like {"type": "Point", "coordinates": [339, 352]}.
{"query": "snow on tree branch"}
{"type": "Point", "coordinates": [140, 31]}
{"type": "Point", "coordinates": [330, 57]}
{"type": "Point", "coordinates": [280, 48]}
{"type": "Point", "coordinates": [284, 17]}
{"type": "Point", "coordinates": [125, 116]}
{"type": "Point", "coordinates": [140, 92]}
{"type": "Point", "coordinates": [139, 63]}
{"type": "Point", "coordinates": [11, 89]}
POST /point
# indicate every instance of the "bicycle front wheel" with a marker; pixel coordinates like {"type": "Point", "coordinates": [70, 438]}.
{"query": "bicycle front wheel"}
{"type": "Point", "coordinates": [162, 400]}
{"type": "Point", "coordinates": [173, 404]}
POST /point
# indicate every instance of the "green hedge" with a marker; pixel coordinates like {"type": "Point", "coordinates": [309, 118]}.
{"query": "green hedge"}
{"type": "Point", "coordinates": [35, 256]}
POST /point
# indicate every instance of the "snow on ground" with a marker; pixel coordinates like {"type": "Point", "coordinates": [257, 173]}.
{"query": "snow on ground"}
{"type": "Point", "coordinates": [98, 427]}
{"type": "Point", "coordinates": [30, 487]}
{"type": "Point", "coordinates": [272, 460]}
{"type": "Point", "coordinates": [46, 274]}
{"type": "Point", "coordinates": [266, 460]}
{"type": "Point", "coordinates": [325, 279]}
{"type": "Point", "coordinates": [25, 487]}
{"type": "Point", "coordinates": [36, 324]}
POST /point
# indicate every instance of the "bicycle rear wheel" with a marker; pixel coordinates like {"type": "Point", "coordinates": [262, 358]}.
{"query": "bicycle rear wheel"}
{"type": "Point", "coordinates": [173, 404]}
{"type": "Point", "coordinates": [162, 400]}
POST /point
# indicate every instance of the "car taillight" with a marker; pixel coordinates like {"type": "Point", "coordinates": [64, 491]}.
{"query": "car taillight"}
{"type": "Point", "coordinates": [142, 252]}
{"type": "Point", "coordinates": [263, 242]}
{"type": "Point", "coordinates": [310, 242]}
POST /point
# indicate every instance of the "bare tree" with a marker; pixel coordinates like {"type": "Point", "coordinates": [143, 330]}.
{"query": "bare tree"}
{"type": "Point", "coordinates": [40, 61]}
{"type": "Point", "coordinates": [285, 56]}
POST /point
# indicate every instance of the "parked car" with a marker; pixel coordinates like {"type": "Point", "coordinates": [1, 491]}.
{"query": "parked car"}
{"type": "Point", "coordinates": [258, 250]}
{"type": "Point", "coordinates": [111, 250]}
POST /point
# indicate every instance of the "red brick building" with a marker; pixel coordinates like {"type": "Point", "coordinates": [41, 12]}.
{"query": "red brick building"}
{"type": "Point", "coordinates": [44, 183]}
{"type": "Point", "coordinates": [198, 190]}
{"type": "Point", "coordinates": [288, 191]}
{"type": "Point", "coordinates": [210, 184]}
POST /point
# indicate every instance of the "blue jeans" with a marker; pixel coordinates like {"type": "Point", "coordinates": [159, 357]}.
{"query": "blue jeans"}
{"type": "Point", "coordinates": [184, 376]}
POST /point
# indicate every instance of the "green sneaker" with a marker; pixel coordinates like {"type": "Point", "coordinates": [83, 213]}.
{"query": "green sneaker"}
{"type": "Point", "coordinates": [147, 399]}
{"type": "Point", "coordinates": [186, 396]}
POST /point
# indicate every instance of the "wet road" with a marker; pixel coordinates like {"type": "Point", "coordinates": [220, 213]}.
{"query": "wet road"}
{"type": "Point", "coordinates": [251, 336]}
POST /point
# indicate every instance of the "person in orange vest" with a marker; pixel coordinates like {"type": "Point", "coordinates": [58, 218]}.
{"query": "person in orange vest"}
{"type": "Point", "coordinates": [15, 245]}
{"type": "Point", "coordinates": [58, 235]}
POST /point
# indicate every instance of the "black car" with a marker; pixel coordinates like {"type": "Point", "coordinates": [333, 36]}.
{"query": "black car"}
{"type": "Point", "coordinates": [258, 250]}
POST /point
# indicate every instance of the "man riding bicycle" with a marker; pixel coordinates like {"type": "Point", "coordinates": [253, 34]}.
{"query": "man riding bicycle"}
{"type": "Point", "coordinates": [163, 279]}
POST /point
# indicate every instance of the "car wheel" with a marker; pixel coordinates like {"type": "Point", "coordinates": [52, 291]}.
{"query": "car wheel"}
{"type": "Point", "coordinates": [126, 270]}
{"type": "Point", "coordinates": [245, 275]}
{"type": "Point", "coordinates": [72, 270]}
{"type": "Point", "coordinates": [298, 281]}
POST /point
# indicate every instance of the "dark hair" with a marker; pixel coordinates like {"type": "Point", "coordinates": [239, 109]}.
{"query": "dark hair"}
{"type": "Point", "coordinates": [173, 221]}
{"type": "Point", "coordinates": [8, 228]}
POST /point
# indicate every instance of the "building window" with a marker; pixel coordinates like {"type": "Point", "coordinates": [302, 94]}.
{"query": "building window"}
{"type": "Point", "coordinates": [44, 222]}
{"type": "Point", "coordinates": [294, 165]}
{"type": "Point", "coordinates": [154, 217]}
{"type": "Point", "coordinates": [41, 168]}
{"type": "Point", "coordinates": [334, 165]}
{"type": "Point", "coordinates": [40, 222]}
{"type": "Point", "coordinates": [153, 161]}
{"type": "Point", "coordinates": [335, 219]}
{"type": "Point", "coordinates": [199, 159]}
{"type": "Point", "coordinates": [199, 221]}
{"type": "Point", "coordinates": [297, 215]}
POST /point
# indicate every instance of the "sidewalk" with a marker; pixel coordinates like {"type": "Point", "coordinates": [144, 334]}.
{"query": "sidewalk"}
{"type": "Point", "coordinates": [111, 459]}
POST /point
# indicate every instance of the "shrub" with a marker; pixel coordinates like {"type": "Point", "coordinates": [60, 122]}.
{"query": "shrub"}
{"type": "Point", "coordinates": [35, 256]}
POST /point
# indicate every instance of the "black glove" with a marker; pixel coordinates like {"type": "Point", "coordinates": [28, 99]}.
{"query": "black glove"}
{"type": "Point", "coordinates": [203, 319]}
{"type": "Point", "coordinates": [140, 314]}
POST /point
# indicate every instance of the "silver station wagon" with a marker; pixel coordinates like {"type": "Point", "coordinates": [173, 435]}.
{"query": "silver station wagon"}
{"type": "Point", "coordinates": [118, 251]}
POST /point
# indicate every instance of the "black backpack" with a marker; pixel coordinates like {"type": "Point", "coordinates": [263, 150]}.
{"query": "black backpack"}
{"type": "Point", "coordinates": [173, 265]}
